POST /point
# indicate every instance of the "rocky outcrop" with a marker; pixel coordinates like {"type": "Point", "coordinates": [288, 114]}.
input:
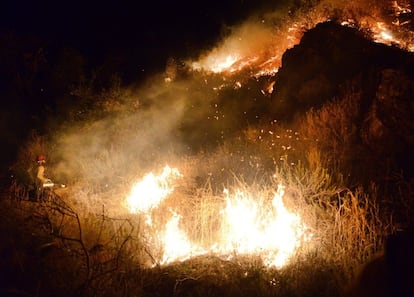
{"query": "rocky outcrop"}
{"type": "Point", "coordinates": [333, 63]}
{"type": "Point", "coordinates": [329, 59]}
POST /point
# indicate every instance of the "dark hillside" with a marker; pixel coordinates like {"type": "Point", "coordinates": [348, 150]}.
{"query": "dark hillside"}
{"type": "Point", "coordinates": [328, 58]}
{"type": "Point", "coordinates": [342, 105]}
{"type": "Point", "coordinates": [337, 63]}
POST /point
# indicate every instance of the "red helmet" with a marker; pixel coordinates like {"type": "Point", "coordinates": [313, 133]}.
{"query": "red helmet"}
{"type": "Point", "coordinates": [41, 158]}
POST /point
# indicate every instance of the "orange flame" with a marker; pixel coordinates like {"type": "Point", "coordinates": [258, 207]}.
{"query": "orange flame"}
{"type": "Point", "coordinates": [176, 245]}
{"type": "Point", "coordinates": [274, 233]}
{"type": "Point", "coordinates": [151, 190]}
{"type": "Point", "coordinates": [248, 224]}
{"type": "Point", "coordinates": [259, 48]}
{"type": "Point", "coordinates": [247, 48]}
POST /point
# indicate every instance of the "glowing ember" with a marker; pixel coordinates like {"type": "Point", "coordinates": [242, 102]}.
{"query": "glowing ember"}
{"type": "Point", "coordinates": [151, 190]}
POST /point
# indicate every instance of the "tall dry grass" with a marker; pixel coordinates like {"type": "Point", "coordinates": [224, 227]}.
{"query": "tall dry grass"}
{"type": "Point", "coordinates": [111, 252]}
{"type": "Point", "coordinates": [346, 225]}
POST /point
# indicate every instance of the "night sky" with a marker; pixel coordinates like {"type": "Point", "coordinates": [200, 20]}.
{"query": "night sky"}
{"type": "Point", "coordinates": [143, 33]}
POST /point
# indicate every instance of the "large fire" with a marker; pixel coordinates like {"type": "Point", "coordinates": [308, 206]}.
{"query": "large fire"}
{"type": "Point", "coordinates": [252, 228]}
{"type": "Point", "coordinates": [250, 223]}
{"type": "Point", "coordinates": [151, 190]}
{"type": "Point", "coordinates": [259, 47]}
{"type": "Point", "coordinates": [262, 56]}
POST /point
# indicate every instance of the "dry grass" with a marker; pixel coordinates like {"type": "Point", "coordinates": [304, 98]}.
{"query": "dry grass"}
{"type": "Point", "coordinates": [346, 225]}
{"type": "Point", "coordinates": [99, 248]}
{"type": "Point", "coordinates": [332, 131]}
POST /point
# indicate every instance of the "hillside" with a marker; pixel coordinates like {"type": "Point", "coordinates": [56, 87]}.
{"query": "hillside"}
{"type": "Point", "coordinates": [336, 63]}
{"type": "Point", "coordinates": [223, 184]}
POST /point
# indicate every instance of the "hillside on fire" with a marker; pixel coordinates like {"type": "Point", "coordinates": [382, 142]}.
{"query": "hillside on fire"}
{"type": "Point", "coordinates": [371, 85]}
{"type": "Point", "coordinates": [276, 163]}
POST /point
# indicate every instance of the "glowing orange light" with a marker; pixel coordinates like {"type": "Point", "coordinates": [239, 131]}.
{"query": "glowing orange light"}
{"type": "Point", "coordinates": [249, 224]}
{"type": "Point", "coordinates": [239, 51]}
{"type": "Point", "coordinates": [176, 245]}
{"type": "Point", "coordinates": [382, 34]}
{"type": "Point", "coordinates": [274, 233]}
{"type": "Point", "coordinates": [216, 63]}
{"type": "Point", "coordinates": [151, 190]}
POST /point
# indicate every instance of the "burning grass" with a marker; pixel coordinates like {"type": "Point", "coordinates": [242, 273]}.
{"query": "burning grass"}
{"type": "Point", "coordinates": [266, 210]}
{"type": "Point", "coordinates": [202, 241]}
{"type": "Point", "coordinates": [247, 47]}
{"type": "Point", "coordinates": [256, 215]}
{"type": "Point", "coordinates": [259, 214]}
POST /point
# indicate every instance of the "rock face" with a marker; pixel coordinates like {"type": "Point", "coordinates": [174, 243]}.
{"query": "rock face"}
{"type": "Point", "coordinates": [390, 274]}
{"type": "Point", "coordinates": [329, 58]}
{"type": "Point", "coordinates": [333, 62]}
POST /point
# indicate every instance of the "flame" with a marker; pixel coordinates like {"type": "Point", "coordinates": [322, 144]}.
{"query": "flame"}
{"type": "Point", "coordinates": [176, 245]}
{"type": "Point", "coordinates": [401, 8]}
{"type": "Point", "coordinates": [259, 47]}
{"type": "Point", "coordinates": [382, 34]}
{"type": "Point", "coordinates": [151, 190]}
{"type": "Point", "coordinates": [246, 48]}
{"type": "Point", "coordinates": [274, 233]}
{"type": "Point", "coordinates": [228, 63]}
{"type": "Point", "coordinates": [249, 224]}
{"type": "Point", "coordinates": [218, 63]}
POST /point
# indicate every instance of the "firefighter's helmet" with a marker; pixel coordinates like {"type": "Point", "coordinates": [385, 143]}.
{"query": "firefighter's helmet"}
{"type": "Point", "coordinates": [41, 158]}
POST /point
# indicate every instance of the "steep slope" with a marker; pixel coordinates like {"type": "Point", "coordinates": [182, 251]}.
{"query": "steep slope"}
{"type": "Point", "coordinates": [329, 58]}
{"type": "Point", "coordinates": [334, 63]}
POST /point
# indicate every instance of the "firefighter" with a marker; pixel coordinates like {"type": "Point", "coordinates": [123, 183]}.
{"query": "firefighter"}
{"type": "Point", "coordinates": [42, 182]}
